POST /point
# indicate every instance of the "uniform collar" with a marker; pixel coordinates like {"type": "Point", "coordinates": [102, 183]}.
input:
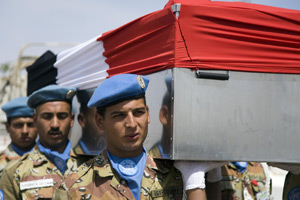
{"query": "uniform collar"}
{"type": "Point", "coordinates": [104, 169]}
{"type": "Point", "coordinates": [10, 154]}
{"type": "Point", "coordinates": [78, 150]}
{"type": "Point", "coordinates": [232, 166]}
{"type": "Point", "coordinates": [39, 158]}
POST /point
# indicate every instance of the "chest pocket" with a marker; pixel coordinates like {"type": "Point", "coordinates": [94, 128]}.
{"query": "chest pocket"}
{"type": "Point", "coordinates": [37, 193]}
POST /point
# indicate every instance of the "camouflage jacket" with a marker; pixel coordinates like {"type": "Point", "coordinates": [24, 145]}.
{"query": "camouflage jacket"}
{"type": "Point", "coordinates": [78, 150]}
{"type": "Point", "coordinates": [291, 189]}
{"type": "Point", "coordinates": [7, 155]}
{"type": "Point", "coordinates": [252, 182]}
{"type": "Point", "coordinates": [34, 176]}
{"type": "Point", "coordinates": [97, 180]}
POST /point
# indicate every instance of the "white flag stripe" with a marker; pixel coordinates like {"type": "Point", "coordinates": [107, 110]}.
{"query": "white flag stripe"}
{"type": "Point", "coordinates": [90, 83]}
{"type": "Point", "coordinates": [77, 53]}
{"type": "Point", "coordinates": [93, 79]}
{"type": "Point", "coordinates": [85, 65]}
{"type": "Point", "coordinates": [82, 66]}
{"type": "Point", "coordinates": [66, 53]}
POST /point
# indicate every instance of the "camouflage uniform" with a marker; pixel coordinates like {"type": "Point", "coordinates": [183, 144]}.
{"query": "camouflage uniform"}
{"type": "Point", "coordinates": [97, 180]}
{"type": "Point", "coordinates": [291, 190]}
{"type": "Point", "coordinates": [7, 155]}
{"type": "Point", "coordinates": [36, 167]}
{"type": "Point", "coordinates": [252, 182]}
{"type": "Point", "coordinates": [155, 152]}
{"type": "Point", "coordinates": [78, 150]}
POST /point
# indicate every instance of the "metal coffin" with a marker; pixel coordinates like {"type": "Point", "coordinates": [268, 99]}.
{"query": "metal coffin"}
{"type": "Point", "coordinates": [249, 117]}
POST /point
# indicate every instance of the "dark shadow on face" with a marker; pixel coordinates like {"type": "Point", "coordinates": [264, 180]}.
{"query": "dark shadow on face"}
{"type": "Point", "coordinates": [92, 140]}
{"type": "Point", "coordinates": [162, 148]}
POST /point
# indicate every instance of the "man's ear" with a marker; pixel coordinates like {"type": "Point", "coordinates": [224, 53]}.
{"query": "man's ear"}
{"type": "Point", "coordinates": [99, 121]}
{"type": "Point", "coordinates": [164, 115]}
{"type": "Point", "coordinates": [72, 119]}
{"type": "Point", "coordinates": [147, 108]}
{"type": "Point", "coordinates": [7, 127]}
{"type": "Point", "coordinates": [81, 120]}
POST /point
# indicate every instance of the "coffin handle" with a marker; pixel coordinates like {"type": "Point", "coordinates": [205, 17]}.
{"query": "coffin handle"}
{"type": "Point", "coordinates": [213, 75]}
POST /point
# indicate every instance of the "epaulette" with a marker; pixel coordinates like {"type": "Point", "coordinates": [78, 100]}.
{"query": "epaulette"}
{"type": "Point", "coordinates": [162, 165]}
{"type": "Point", "coordinates": [13, 163]}
{"type": "Point", "coordinates": [99, 160]}
{"type": "Point", "coordinates": [24, 156]}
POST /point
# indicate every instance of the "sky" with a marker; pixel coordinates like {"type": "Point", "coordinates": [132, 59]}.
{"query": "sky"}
{"type": "Point", "coordinates": [70, 22]}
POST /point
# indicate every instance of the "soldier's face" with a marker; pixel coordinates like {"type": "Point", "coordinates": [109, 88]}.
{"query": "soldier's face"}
{"type": "Point", "coordinates": [89, 128]}
{"type": "Point", "coordinates": [54, 121]}
{"type": "Point", "coordinates": [126, 126]}
{"type": "Point", "coordinates": [22, 132]}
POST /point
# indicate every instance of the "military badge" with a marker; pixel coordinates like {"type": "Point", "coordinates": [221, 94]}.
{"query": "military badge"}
{"type": "Point", "coordinates": [70, 94]}
{"type": "Point", "coordinates": [128, 167]}
{"type": "Point", "coordinates": [141, 81]}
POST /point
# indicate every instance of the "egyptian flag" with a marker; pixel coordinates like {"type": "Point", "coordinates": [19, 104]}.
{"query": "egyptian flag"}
{"type": "Point", "coordinates": [205, 35]}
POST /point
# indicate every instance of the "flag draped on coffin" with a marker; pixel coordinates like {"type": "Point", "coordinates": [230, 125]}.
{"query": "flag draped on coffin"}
{"type": "Point", "coordinates": [206, 35]}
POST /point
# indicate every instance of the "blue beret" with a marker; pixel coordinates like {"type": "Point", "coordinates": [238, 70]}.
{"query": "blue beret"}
{"type": "Point", "coordinates": [51, 93]}
{"type": "Point", "coordinates": [17, 108]}
{"type": "Point", "coordinates": [117, 88]}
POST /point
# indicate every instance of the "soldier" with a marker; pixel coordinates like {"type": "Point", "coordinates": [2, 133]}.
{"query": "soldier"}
{"type": "Point", "coordinates": [21, 130]}
{"type": "Point", "coordinates": [39, 173]}
{"type": "Point", "coordinates": [92, 140]}
{"type": "Point", "coordinates": [124, 170]}
{"type": "Point", "coordinates": [245, 181]}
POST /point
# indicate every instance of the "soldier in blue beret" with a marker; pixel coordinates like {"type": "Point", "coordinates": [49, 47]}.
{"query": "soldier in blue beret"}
{"type": "Point", "coordinates": [124, 170]}
{"type": "Point", "coordinates": [43, 170]}
{"type": "Point", "coordinates": [92, 139]}
{"type": "Point", "coordinates": [21, 130]}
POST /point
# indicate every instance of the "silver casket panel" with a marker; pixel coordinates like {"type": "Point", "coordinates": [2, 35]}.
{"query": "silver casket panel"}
{"type": "Point", "coordinates": [249, 117]}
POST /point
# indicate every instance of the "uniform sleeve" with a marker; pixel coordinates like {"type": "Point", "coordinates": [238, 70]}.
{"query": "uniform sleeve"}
{"type": "Point", "coordinates": [8, 186]}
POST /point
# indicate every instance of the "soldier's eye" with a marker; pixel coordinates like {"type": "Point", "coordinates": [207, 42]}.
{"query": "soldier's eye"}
{"type": "Point", "coordinates": [139, 112]}
{"type": "Point", "coordinates": [47, 116]}
{"type": "Point", "coordinates": [62, 115]}
{"type": "Point", "coordinates": [118, 115]}
{"type": "Point", "coordinates": [18, 125]}
{"type": "Point", "coordinates": [30, 125]}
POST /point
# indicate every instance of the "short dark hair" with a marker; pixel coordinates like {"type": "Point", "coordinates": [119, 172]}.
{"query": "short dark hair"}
{"type": "Point", "coordinates": [83, 97]}
{"type": "Point", "coordinates": [101, 110]}
{"type": "Point", "coordinates": [8, 120]}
